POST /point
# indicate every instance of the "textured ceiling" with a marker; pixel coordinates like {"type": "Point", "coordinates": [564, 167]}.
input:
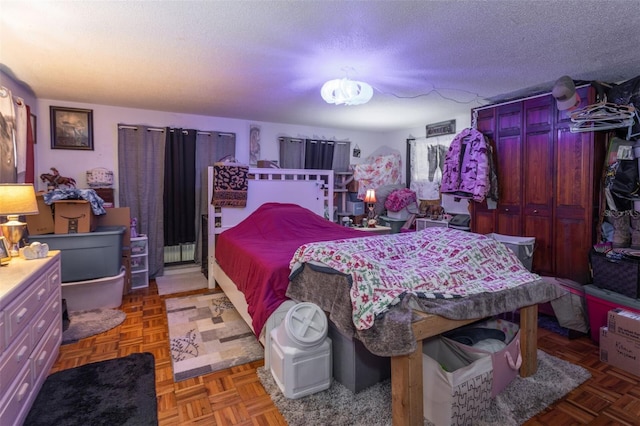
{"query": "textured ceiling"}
{"type": "Point", "coordinates": [266, 60]}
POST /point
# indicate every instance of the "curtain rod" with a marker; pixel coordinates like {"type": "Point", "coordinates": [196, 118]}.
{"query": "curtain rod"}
{"type": "Point", "coordinates": [158, 129]}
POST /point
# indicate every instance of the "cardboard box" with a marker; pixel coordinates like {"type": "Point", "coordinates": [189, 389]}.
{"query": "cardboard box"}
{"type": "Point", "coordinates": [73, 217]}
{"type": "Point", "coordinates": [118, 216]}
{"type": "Point", "coordinates": [624, 323]}
{"type": "Point", "coordinates": [41, 223]}
{"type": "Point", "coordinates": [620, 351]}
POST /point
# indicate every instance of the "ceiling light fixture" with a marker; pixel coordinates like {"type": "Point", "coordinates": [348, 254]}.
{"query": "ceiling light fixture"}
{"type": "Point", "coordinates": [343, 91]}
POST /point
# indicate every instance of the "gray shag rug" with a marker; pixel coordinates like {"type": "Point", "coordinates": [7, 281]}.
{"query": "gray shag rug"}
{"type": "Point", "coordinates": [521, 400]}
{"type": "Point", "coordinates": [88, 323]}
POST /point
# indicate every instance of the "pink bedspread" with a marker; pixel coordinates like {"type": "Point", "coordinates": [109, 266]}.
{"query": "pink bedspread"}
{"type": "Point", "coordinates": [256, 253]}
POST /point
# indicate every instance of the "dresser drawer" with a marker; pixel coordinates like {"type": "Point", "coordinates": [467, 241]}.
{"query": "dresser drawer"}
{"type": "Point", "coordinates": [53, 278]}
{"type": "Point", "coordinates": [51, 313]}
{"type": "Point", "coordinates": [15, 358]}
{"type": "Point", "coordinates": [3, 332]}
{"type": "Point", "coordinates": [25, 306]}
{"type": "Point", "coordinates": [45, 354]}
{"type": "Point", "coordinates": [17, 401]}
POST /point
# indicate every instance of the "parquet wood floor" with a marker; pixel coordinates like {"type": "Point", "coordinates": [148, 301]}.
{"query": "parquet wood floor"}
{"type": "Point", "coordinates": [236, 397]}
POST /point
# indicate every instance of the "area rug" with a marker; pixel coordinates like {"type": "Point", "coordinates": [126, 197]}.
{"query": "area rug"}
{"type": "Point", "coordinates": [119, 391]}
{"type": "Point", "coordinates": [521, 400]}
{"type": "Point", "coordinates": [181, 282]}
{"type": "Point", "coordinates": [88, 323]}
{"type": "Point", "coordinates": [207, 334]}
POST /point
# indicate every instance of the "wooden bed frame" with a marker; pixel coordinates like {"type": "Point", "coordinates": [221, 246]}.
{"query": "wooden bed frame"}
{"type": "Point", "coordinates": [313, 189]}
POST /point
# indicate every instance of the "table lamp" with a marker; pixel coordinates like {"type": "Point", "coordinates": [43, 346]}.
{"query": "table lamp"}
{"type": "Point", "coordinates": [370, 199]}
{"type": "Point", "coordinates": [16, 199]}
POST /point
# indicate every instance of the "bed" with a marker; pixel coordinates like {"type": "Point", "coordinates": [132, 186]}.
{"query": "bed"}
{"type": "Point", "coordinates": [397, 330]}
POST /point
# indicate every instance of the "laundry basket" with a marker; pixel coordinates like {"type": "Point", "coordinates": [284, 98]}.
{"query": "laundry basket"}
{"type": "Point", "coordinates": [522, 246]}
{"type": "Point", "coordinates": [99, 177]}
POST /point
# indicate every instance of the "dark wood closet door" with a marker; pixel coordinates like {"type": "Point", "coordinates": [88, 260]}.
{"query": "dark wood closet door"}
{"type": "Point", "coordinates": [538, 180]}
{"type": "Point", "coordinates": [509, 168]}
{"type": "Point", "coordinates": [484, 219]}
{"type": "Point", "coordinates": [578, 165]}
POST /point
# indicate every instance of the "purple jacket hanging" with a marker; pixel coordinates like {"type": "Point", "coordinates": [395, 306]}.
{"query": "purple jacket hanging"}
{"type": "Point", "coordinates": [466, 166]}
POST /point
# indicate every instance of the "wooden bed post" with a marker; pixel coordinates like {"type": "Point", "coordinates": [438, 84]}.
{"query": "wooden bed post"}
{"type": "Point", "coordinates": [529, 340]}
{"type": "Point", "coordinates": [406, 388]}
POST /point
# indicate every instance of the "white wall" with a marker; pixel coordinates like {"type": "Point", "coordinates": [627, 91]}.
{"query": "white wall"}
{"type": "Point", "coordinates": [74, 164]}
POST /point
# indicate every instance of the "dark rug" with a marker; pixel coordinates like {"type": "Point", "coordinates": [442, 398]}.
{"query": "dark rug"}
{"type": "Point", "coordinates": [88, 323]}
{"type": "Point", "coordinates": [521, 400]}
{"type": "Point", "coordinates": [119, 391]}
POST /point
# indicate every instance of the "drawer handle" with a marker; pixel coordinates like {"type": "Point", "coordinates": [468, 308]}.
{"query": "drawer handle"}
{"type": "Point", "coordinates": [41, 326]}
{"type": "Point", "coordinates": [21, 314]}
{"type": "Point", "coordinates": [23, 391]}
{"type": "Point", "coordinates": [42, 357]}
{"type": "Point", "coordinates": [22, 352]}
{"type": "Point", "coordinates": [41, 293]}
{"type": "Point", "coordinates": [55, 305]}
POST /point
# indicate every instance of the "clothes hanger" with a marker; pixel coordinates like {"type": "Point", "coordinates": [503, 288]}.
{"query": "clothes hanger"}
{"type": "Point", "coordinates": [596, 125]}
{"type": "Point", "coordinates": [603, 111]}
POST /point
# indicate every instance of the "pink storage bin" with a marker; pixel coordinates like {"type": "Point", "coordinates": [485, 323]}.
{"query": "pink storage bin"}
{"type": "Point", "coordinates": [505, 362]}
{"type": "Point", "coordinates": [600, 301]}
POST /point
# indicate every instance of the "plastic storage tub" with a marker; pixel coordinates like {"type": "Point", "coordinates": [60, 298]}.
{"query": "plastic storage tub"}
{"type": "Point", "coordinates": [522, 246]}
{"type": "Point", "coordinates": [301, 352]}
{"type": "Point", "coordinates": [101, 293]}
{"type": "Point", "coordinates": [600, 301]}
{"type": "Point", "coordinates": [88, 255]}
{"type": "Point", "coordinates": [394, 224]}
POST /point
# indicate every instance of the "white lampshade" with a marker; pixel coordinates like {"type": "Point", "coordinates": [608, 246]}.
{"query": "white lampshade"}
{"type": "Point", "coordinates": [346, 92]}
{"type": "Point", "coordinates": [17, 199]}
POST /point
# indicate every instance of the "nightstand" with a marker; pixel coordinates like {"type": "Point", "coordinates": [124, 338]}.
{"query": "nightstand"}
{"type": "Point", "coordinates": [382, 230]}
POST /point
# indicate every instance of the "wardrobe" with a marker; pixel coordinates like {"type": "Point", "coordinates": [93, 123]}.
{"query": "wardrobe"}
{"type": "Point", "coordinates": [548, 181]}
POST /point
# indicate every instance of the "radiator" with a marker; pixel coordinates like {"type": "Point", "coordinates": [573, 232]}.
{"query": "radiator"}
{"type": "Point", "coordinates": [179, 253]}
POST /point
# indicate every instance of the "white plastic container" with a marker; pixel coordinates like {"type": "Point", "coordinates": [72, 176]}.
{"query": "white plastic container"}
{"type": "Point", "coordinates": [300, 353]}
{"type": "Point", "coordinates": [522, 246]}
{"type": "Point", "coordinates": [401, 215]}
{"type": "Point", "coordinates": [100, 293]}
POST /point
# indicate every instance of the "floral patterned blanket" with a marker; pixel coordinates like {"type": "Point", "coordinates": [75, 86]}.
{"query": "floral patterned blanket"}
{"type": "Point", "coordinates": [435, 263]}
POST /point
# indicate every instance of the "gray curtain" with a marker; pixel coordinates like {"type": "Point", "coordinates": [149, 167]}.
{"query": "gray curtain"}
{"type": "Point", "coordinates": [141, 183]}
{"type": "Point", "coordinates": [341, 156]}
{"type": "Point", "coordinates": [210, 147]}
{"type": "Point", "coordinates": [291, 153]}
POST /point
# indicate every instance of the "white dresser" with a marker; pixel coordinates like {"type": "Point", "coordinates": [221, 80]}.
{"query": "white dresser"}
{"type": "Point", "coordinates": [30, 331]}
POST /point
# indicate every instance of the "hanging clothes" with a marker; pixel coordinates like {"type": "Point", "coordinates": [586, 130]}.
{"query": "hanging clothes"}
{"type": "Point", "coordinates": [467, 166]}
{"type": "Point", "coordinates": [21, 138]}
{"type": "Point", "coordinates": [8, 172]}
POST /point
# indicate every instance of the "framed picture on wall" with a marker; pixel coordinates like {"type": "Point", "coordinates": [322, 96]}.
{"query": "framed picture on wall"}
{"type": "Point", "coordinates": [71, 128]}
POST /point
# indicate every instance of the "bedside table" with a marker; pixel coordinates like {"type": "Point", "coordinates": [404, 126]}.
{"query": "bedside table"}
{"type": "Point", "coordinates": [382, 230]}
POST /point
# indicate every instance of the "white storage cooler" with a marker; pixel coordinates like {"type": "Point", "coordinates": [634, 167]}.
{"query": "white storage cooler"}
{"type": "Point", "coordinates": [301, 352]}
